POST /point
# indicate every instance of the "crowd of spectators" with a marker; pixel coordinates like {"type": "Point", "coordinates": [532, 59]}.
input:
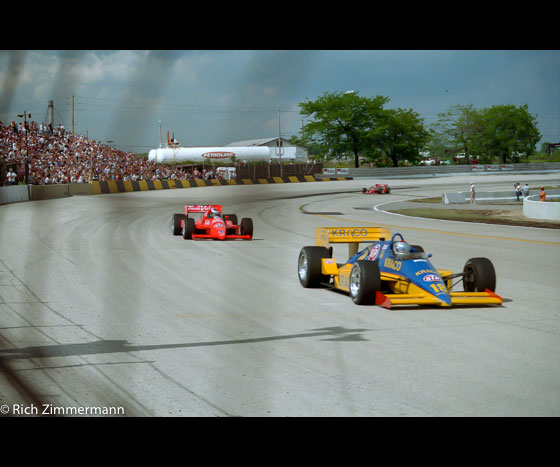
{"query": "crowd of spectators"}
{"type": "Point", "coordinates": [56, 155]}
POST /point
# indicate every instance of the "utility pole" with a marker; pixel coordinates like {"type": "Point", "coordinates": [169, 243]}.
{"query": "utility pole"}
{"type": "Point", "coordinates": [72, 113]}
{"type": "Point", "coordinates": [279, 144]}
{"type": "Point", "coordinates": [51, 112]}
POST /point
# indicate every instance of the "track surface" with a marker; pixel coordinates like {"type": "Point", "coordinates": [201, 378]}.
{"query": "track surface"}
{"type": "Point", "coordinates": [100, 306]}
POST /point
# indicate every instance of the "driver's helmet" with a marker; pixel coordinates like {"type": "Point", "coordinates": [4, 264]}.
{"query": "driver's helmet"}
{"type": "Point", "coordinates": [401, 250]}
{"type": "Point", "coordinates": [214, 213]}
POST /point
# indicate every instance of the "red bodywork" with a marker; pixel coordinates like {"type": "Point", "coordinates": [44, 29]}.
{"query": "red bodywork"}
{"type": "Point", "coordinates": [217, 228]}
{"type": "Point", "coordinates": [377, 189]}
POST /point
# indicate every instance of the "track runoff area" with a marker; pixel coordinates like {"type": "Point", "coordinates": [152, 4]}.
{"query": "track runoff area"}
{"type": "Point", "coordinates": [103, 311]}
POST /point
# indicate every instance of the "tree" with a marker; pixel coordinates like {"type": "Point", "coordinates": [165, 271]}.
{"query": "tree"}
{"type": "Point", "coordinates": [347, 125]}
{"type": "Point", "coordinates": [457, 130]}
{"type": "Point", "coordinates": [508, 132]}
{"type": "Point", "coordinates": [341, 124]}
{"type": "Point", "coordinates": [400, 134]}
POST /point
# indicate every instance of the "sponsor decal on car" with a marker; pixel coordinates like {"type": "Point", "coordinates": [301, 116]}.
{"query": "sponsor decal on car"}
{"type": "Point", "coordinates": [349, 233]}
{"type": "Point", "coordinates": [374, 251]}
{"type": "Point", "coordinates": [431, 278]}
{"type": "Point", "coordinates": [392, 264]}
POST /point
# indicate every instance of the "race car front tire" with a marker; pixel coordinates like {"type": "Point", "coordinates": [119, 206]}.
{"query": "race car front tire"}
{"type": "Point", "coordinates": [247, 226]}
{"type": "Point", "coordinates": [365, 281]}
{"type": "Point", "coordinates": [478, 275]}
{"type": "Point", "coordinates": [176, 223]}
{"type": "Point", "coordinates": [309, 266]}
{"type": "Point", "coordinates": [188, 228]}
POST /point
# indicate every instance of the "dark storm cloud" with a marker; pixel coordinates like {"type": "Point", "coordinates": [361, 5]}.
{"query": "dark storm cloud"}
{"type": "Point", "coordinates": [211, 97]}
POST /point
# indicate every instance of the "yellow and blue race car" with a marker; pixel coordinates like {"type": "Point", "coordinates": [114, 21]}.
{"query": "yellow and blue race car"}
{"type": "Point", "coordinates": [389, 271]}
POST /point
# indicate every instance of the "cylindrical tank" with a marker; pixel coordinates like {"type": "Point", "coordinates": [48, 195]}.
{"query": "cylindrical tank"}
{"type": "Point", "coordinates": [213, 153]}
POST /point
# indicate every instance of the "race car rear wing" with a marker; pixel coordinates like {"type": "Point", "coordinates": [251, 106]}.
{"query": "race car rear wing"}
{"type": "Point", "coordinates": [324, 236]}
{"type": "Point", "coordinates": [201, 207]}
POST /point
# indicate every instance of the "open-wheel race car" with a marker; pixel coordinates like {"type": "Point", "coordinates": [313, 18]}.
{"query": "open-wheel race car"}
{"type": "Point", "coordinates": [392, 272]}
{"type": "Point", "coordinates": [376, 189]}
{"type": "Point", "coordinates": [208, 221]}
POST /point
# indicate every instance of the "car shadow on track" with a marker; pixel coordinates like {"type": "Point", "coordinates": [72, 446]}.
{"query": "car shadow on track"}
{"type": "Point", "coordinates": [337, 333]}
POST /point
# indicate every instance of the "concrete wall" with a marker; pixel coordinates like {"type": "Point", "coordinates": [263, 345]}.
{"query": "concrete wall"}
{"type": "Point", "coordinates": [464, 197]}
{"type": "Point", "coordinates": [533, 208]}
{"type": "Point", "coordinates": [13, 194]}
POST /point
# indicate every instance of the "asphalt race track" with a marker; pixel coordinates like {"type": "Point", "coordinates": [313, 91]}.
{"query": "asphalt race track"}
{"type": "Point", "coordinates": [101, 306]}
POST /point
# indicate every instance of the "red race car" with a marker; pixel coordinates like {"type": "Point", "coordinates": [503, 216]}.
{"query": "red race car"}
{"type": "Point", "coordinates": [376, 190]}
{"type": "Point", "coordinates": [208, 221]}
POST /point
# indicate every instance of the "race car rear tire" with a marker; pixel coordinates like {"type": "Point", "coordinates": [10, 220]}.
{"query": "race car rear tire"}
{"type": "Point", "coordinates": [364, 190]}
{"type": "Point", "coordinates": [188, 228]}
{"type": "Point", "coordinates": [176, 223]}
{"type": "Point", "coordinates": [247, 226]}
{"type": "Point", "coordinates": [478, 275]}
{"type": "Point", "coordinates": [309, 266]}
{"type": "Point", "coordinates": [387, 190]}
{"type": "Point", "coordinates": [231, 217]}
{"type": "Point", "coordinates": [365, 281]}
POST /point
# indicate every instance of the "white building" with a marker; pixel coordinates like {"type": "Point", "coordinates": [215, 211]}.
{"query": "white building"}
{"type": "Point", "coordinates": [288, 151]}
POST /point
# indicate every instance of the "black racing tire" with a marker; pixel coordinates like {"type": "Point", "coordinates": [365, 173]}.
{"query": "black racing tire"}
{"type": "Point", "coordinates": [364, 190]}
{"type": "Point", "coordinates": [309, 266]}
{"type": "Point", "coordinates": [365, 281]}
{"type": "Point", "coordinates": [387, 190]}
{"type": "Point", "coordinates": [478, 275]}
{"type": "Point", "coordinates": [231, 217]}
{"type": "Point", "coordinates": [246, 226]}
{"type": "Point", "coordinates": [188, 228]}
{"type": "Point", "coordinates": [176, 223]}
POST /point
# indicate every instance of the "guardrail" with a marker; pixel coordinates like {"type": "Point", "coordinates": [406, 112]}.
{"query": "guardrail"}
{"type": "Point", "coordinates": [435, 170]}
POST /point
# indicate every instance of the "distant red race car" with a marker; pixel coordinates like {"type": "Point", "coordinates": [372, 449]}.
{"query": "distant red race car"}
{"type": "Point", "coordinates": [377, 189]}
{"type": "Point", "coordinates": [208, 221]}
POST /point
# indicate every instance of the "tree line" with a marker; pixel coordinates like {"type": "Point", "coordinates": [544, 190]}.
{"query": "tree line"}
{"type": "Point", "coordinates": [346, 125]}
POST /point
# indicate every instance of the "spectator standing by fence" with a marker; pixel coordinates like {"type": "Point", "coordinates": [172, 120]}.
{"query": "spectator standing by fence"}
{"type": "Point", "coordinates": [526, 190]}
{"type": "Point", "coordinates": [542, 194]}
{"type": "Point", "coordinates": [517, 190]}
{"type": "Point", "coordinates": [11, 177]}
{"type": "Point", "coordinates": [473, 193]}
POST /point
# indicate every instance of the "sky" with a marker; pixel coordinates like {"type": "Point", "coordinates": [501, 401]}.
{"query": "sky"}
{"type": "Point", "coordinates": [216, 97]}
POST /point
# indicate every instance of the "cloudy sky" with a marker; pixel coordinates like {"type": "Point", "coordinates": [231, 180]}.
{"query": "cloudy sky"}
{"type": "Point", "coordinates": [215, 97]}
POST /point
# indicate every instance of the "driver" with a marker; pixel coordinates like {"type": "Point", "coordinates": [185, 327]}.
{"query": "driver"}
{"type": "Point", "coordinates": [214, 213]}
{"type": "Point", "coordinates": [401, 250]}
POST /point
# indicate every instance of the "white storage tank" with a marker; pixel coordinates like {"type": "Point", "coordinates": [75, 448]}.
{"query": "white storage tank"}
{"type": "Point", "coordinates": [216, 153]}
